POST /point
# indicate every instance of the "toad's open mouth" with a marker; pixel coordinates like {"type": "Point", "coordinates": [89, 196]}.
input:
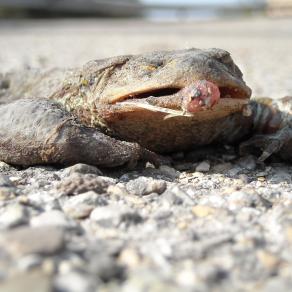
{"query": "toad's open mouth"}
{"type": "Point", "coordinates": [159, 92]}
{"type": "Point", "coordinates": [197, 97]}
{"type": "Point", "coordinates": [225, 92]}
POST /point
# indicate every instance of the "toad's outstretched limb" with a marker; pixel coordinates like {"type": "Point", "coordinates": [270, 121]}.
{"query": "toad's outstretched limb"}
{"type": "Point", "coordinates": [39, 131]}
{"type": "Point", "coordinates": [278, 143]}
{"type": "Point", "coordinates": [272, 128]}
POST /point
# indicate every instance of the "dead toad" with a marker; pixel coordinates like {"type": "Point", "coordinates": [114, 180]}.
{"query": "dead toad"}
{"type": "Point", "coordinates": [122, 109]}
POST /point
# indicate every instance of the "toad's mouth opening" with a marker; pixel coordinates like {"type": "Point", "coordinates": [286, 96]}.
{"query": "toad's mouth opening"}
{"type": "Point", "coordinates": [225, 92]}
{"type": "Point", "coordinates": [152, 92]}
{"type": "Point", "coordinates": [194, 98]}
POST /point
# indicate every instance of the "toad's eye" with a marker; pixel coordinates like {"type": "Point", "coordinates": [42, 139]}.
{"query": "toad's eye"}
{"type": "Point", "coordinates": [196, 93]}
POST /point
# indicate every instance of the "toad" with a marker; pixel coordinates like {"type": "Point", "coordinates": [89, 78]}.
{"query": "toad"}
{"type": "Point", "coordinates": [122, 109]}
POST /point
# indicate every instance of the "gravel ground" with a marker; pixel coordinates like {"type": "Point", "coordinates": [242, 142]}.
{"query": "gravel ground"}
{"type": "Point", "coordinates": [210, 222]}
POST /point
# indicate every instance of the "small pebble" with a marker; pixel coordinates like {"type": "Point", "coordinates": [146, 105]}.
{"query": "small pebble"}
{"type": "Point", "coordinates": [108, 216]}
{"type": "Point", "coordinates": [29, 262]}
{"type": "Point", "coordinates": [248, 162]}
{"type": "Point", "coordinates": [5, 181]}
{"type": "Point", "coordinates": [88, 198]}
{"type": "Point", "coordinates": [204, 166]}
{"type": "Point", "coordinates": [169, 171]}
{"type": "Point", "coordinates": [143, 186]}
{"type": "Point", "coordinates": [222, 167]}
{"type": "Point", "coordinates": [82, 168]}
{"type": "Point", "coordinates": [117, 191]}
{"type": "Point", "coordinates": [203, 211]}
{"type": "Point", "coordinates": [130, 258]}
{"type": "Point", "coordinates": [74, 282]}
{"type": "Point", "coordinates": [13, 215]}
{"type": "Point", "coordinates": [78, 183]}
{"type": "Point", "coordinates": [81, 211]}
{"type": "Point", "coordinates": [32, 240]}
{"type": "Point", "coordinates": [52, 218]}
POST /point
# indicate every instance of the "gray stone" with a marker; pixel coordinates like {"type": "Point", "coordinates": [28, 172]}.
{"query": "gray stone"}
{"type": "Point", "coordinates": [131, 218]}
{"type": "Point", "coordinates": [7, 189]}
{"type": "Point", "coordinates": [5, 181]}
{"type": "Point", "coordinates": [80, 206]}
{"type": "Point", "coordinates": [176, 196]}
{"type": "Point", "coordinates": [82, 168]}
{"type": "Point", "coordinates": [117, 191]}
{"type": "Point", "coordinates": [248, 162]}
{"type": "Point", "coordinates": [234, 171]}
{"type": "Point", "coordinates": [169, 171]}
{"type": "Point", "coordinates": [162, 214]}
{"type": "Point", "coordinates": [13, 215]}
{"type": "Point", "coordinates": [204, 166]}
{"type": "Point", "coordinates": [113, 215]}
{"type": "Point", "coordinates": [106, 216]}
{"type": "Point", "coordinates": [281, 176]}
{"type": "Point", "coordinates": [43, 200]}
{"type": "Point", "coordinates": [240, 199]}
{"type": "Point", "coordinates": [106, 268]}
{"type": "Point", "coordinates": [74, 282]}
{"type": "Point", "coordinates": [29, 262]}
{"type": "Point", "coordinates": [32, 240]}
{"type": "Point", "coordinates": [80, 183]}
{"type": "Point", "coordinates": [81, 211]}
{"type": "Point", "coordinates": [88, 198]}
{"type": "Point", "coordinates": [52, 217]}
{"type": "Point", "coordinates": [143, 186]}
{"type": "Point", "coordinates": [222, 167]}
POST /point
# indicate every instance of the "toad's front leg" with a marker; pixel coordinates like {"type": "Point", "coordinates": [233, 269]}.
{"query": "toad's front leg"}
{"type": "Point", "coordinates": [40, 131]}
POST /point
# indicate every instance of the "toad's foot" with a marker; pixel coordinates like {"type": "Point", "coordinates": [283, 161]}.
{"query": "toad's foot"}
{"type": "Point", "coordinates": [279, 143]}
{"type": "Point", "coordinates": [41, 132]}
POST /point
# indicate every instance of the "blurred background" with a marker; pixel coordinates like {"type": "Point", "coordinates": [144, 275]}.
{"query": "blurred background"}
{"type": "Point", "coordinates": [68, 33]}
{"type": "Point", "coordinates": [150, 9]}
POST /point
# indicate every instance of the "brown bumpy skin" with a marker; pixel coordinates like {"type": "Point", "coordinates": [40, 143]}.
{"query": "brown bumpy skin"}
{"type": "Point", "coordinates": [114, 93]}
{"type": "Point", "coordinates": [97, 95]}
{"type": "Point", "coordinates": [41, 132]}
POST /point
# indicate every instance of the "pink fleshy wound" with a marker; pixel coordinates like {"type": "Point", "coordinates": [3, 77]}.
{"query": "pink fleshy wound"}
{"type": "Point", "coordinates": [210, 95]}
